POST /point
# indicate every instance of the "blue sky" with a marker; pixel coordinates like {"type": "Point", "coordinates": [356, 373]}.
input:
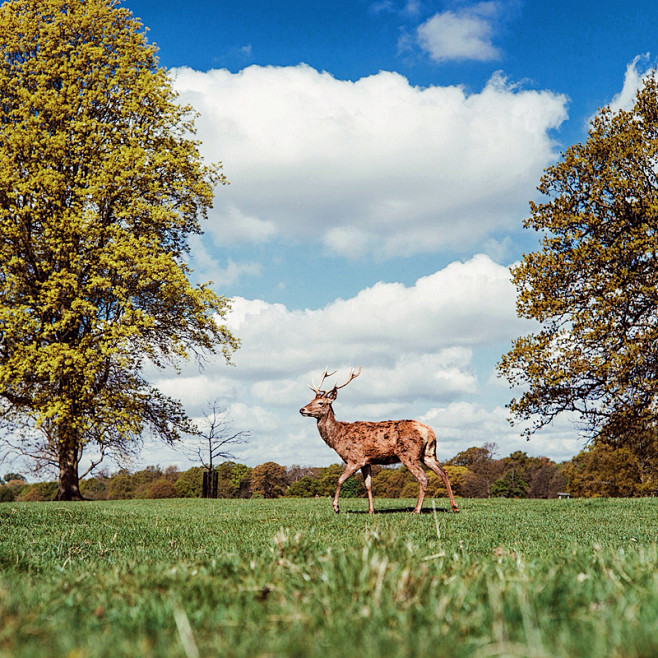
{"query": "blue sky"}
{"type": "Point", "coordinates": [381, 155]}
{"type": "Point", "coordinates": [579, 49]}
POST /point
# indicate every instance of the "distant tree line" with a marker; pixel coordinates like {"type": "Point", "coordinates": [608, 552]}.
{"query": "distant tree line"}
{"type": "Point", "coordinates": [600, 470]}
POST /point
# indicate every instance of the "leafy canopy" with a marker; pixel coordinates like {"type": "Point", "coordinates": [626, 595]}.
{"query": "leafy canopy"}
{"type": "Point", "coordinates": [594, 283]}
{"type": "Point", "coordinates": [101, 183]}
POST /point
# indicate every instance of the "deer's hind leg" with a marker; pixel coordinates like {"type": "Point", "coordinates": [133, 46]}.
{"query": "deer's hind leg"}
{"type": "Point", "coordinates": [432, 462]}
{"type": "Point", "coordinates": [417, 471]}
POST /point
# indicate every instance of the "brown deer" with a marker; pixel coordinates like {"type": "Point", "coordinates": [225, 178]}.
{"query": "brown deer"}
{"type": "Point", "coordinates": [362, 444]}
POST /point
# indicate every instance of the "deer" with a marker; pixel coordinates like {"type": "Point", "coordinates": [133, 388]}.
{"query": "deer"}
{"type": "Point", "coordinates": [362, 444]}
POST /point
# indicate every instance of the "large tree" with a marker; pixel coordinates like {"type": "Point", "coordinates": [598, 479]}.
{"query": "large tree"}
{"type": "Point", "coordinates": [593, 285]}
{"type": "Point", "coordinates": [101, 184]}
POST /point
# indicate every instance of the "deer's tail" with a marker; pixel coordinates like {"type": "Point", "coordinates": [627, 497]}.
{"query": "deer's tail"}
{"type": "Point", "coordinates": [430, 440]}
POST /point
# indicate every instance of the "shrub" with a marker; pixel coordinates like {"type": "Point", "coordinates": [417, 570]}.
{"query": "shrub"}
{"type": "Point", "coordinates": [354, 487]}
{"type": "Point", "coordinates": [190, 483]}
{"type": "Point", "coordinates": [161, 488]}
{"type": "Point", "coordinates": [120, 487]}
{"type": "Point", "coordinates": [94, 488]}
{"type": "Point", "coordinates": [410, 490]}
{"type": "Point", "coordinates": [8, 494]}
{"type": "Point", "coordinates": [38, 492]}
{"type": "Point", "coordinates": [305, 487]}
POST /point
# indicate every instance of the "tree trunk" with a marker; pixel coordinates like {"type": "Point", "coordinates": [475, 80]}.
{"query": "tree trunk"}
{"type": "Point", "coordinates": [68, 488]}
{"type": "Point", "coordinates": [210, 481]}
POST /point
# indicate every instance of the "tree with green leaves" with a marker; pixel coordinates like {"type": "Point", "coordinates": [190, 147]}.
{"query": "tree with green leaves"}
{"type": "Point", "coordinates": [189, 484]}
{"type": "Point", "coordinates": [483, 469]}
{"type": "Point", "coordinates": [603, 471]}
{"type": "Point", "coordinates": [593, 285]}
{"type": "Point", "coordinates": [511, 485]}
{"type": "Point", "coordinates": [101, 184]}
{"type": "Point", "coordinates": [269, 480]}
{"type": "Point", "coordinates": [306, 487]}
{"type": "Point", "coordinates": [548, 481]}
{"type": "Point", "coordinates": [12, 477]}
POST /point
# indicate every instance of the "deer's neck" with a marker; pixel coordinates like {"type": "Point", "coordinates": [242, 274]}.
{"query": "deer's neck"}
{"type": "Point", "coordinates": [331, 430]}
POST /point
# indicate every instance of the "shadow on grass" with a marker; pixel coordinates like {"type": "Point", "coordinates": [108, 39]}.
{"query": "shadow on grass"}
{"type": "Point", "coordinates": [400, 510]}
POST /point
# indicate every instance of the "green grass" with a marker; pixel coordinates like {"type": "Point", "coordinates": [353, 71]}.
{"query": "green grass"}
{"type": "Point", "coordinates": [290, 578]}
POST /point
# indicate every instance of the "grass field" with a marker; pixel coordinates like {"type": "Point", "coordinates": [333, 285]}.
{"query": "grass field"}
{"type": "Point", "coordinates": [288, 577]}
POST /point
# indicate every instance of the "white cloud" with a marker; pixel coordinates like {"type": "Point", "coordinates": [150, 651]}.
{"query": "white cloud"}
{"type": "Point", "coordinates": [465, 305]}
{"type": "Point", "coordinates": [420, 347]}
{"type": "Point", "coordinates": [462, 35]}
{"type": "Point", "coordinates": [633, 79]}
{"type": "Point", "coordinates": [372, 167]}
{"type": "Point", "coordinates": [408, 8]}
{"type": "Point", "coordinates": [241, 226]}
{"type": "Point", "coordinates": [455, 421]}
{"type": "Point", "coordinates": [207, 268]}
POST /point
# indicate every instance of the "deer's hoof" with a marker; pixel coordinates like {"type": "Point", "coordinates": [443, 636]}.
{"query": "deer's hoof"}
{"type": "Point", "coordinates": [336, 510]}
{"type": "Point", "coordinates": [455, 510]}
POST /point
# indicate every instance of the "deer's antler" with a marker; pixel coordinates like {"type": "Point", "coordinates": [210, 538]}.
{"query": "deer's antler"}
{"type": "Point", "coordinates": [353, 375]}
{"type": "Point", "coordinates": [325, 374]}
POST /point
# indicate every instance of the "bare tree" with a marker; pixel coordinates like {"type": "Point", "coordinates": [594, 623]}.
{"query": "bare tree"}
{"type": "Point", "coordinates": [214, 442]}
{"type": "Point", "coordinates": [483, 469]}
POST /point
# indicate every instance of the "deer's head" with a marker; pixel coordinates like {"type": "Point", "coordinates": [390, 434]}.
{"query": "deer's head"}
{"type": "Point", "coordinates": [320, 405]}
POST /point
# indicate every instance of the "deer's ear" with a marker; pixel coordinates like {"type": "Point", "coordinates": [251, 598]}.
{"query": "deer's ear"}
{"type": "Point", "coordinates": [332, 394]}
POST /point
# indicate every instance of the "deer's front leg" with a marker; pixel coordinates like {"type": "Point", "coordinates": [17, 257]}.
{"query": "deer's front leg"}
{"type": "Point", "coordinates": [367, 480]}
{"type": "Point", "coordinates": [350, 470]}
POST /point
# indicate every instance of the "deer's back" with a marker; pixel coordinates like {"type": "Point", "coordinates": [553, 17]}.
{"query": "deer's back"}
{"type": "Point", "coordinates": [386, 441]}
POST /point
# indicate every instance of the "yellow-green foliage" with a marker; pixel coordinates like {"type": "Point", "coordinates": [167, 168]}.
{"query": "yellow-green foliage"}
{"type": "Point", "coordinates": [604, 471]}
{"type": "Point", "coordinates": [101, 183]}
{"type": "Point", "coordinates": [594, 283]}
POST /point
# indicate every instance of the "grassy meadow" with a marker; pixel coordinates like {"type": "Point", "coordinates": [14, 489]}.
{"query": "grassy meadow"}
{"type": "Point", "coordinates": [288, 577]}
